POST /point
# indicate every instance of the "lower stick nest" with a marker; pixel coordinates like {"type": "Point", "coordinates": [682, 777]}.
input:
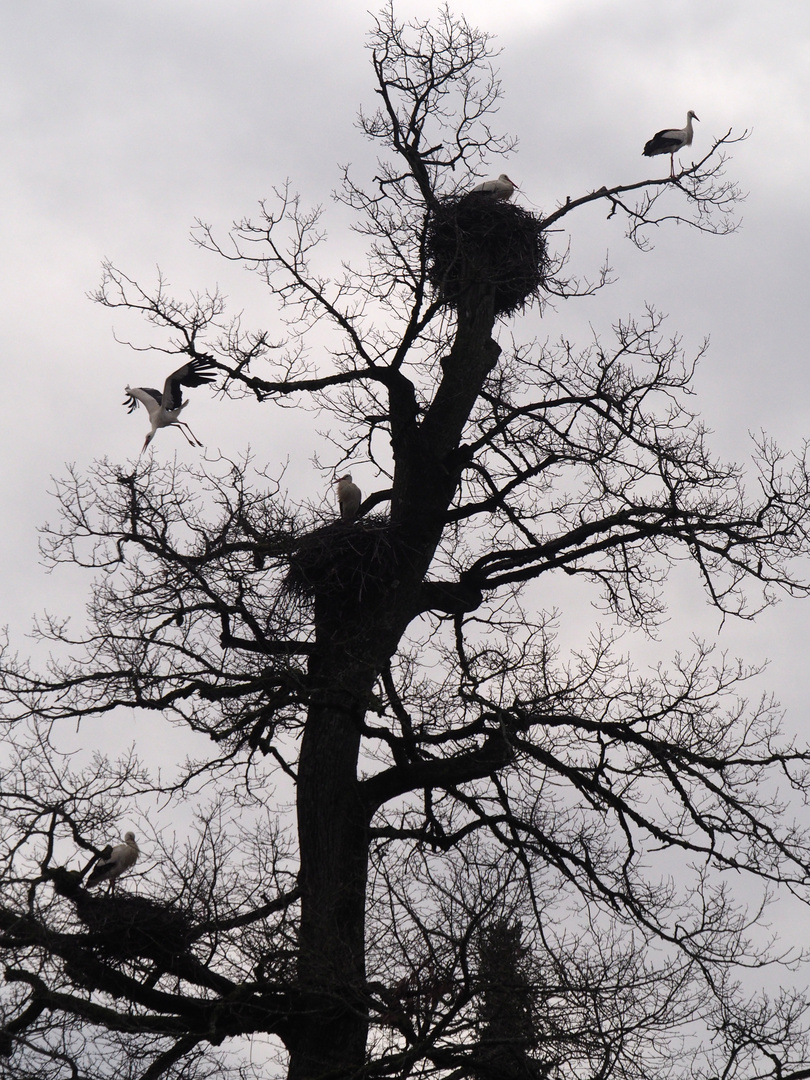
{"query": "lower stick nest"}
{"type": "Point", "coordinates": [343, 559]}
{"type": "Point", "coordinates": [126, 926]}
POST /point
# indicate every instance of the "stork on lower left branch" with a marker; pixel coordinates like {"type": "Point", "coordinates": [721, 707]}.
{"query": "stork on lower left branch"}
{"type": "Point", "coordinates": [164, 409]}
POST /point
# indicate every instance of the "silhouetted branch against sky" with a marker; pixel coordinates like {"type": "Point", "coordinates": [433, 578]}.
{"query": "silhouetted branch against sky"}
{"type": "Point", "coordinates": [469, 778]}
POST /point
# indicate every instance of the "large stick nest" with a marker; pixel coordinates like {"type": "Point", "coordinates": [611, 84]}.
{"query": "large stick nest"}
{"type": "Point", "coordinates": [344, 559]}
{"type": "Point", "coordinates": [477, 241]}
{"type": "Point", "coordinates": [126, 926]}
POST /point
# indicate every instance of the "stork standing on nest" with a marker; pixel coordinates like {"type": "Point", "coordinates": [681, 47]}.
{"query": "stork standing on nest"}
{"type": "Point", "coordinates": [348, 497]}
{"type": "Point", "coordinates": [501, 189]}
{"type": "Point", "coordinates": [164, 409]}
{"type": "Point", "coordinates": [109, 868]}
{"type": "Point", "coordinates": [670, 140]}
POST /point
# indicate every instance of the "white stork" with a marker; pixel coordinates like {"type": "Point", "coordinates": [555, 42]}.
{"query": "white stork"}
{"type": "Point", "coordinates": [502, 188]}
{"type": "Point", "coordinates": [349, 497]}
{"type": "Point", "coordinates": [120, 859]}
{"type": "Point", "coordinates": [670, 140]}
{"type": "Point", "coordinates": [164, 409]}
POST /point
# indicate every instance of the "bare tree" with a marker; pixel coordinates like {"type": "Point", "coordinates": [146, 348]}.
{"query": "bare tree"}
{"type": "Point", "coordinates": [393, 680]}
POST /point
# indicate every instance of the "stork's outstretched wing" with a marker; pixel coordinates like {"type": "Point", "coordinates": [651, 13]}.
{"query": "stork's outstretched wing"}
{"type": "Point", "coordinates": [194, 373]}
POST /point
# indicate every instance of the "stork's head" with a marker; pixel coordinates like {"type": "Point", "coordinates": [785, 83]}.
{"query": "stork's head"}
{"type": "Point", "coordinates": [347, 478]}
{"type": "Point", "coordinates": [129, 838]}
{"type": "Point", "coordinates": [692, 116]}
{"type": "Point", "coordinates": [507, 188]}
{"type": "Point", "coordinates": [146, 441]}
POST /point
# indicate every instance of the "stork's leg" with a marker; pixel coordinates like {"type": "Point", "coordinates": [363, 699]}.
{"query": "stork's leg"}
{"type": "Point", "coordinates": [190, 437]}
{"type": "Point", "coordinates": [193, 441]}
{"type": "Point", "coordinates": [672, 165]}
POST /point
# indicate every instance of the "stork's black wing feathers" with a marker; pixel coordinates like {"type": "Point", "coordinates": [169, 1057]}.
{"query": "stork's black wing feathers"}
{"type": "Point", "coordinates": [102, 869]}
{"type": "Point", "coordinates": [194, 373]}
{"type": "Point", "coordinates": [664, 142]}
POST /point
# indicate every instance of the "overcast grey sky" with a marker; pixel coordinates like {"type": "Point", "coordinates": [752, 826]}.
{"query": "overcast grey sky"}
{"type": "Point", "coordinates": [122, 123]}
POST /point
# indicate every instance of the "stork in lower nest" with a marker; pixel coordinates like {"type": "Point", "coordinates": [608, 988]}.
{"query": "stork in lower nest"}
{"type": "Point", "coordinates": [110, 867]}
{"type": "Point", "coordinates": [349, 497]}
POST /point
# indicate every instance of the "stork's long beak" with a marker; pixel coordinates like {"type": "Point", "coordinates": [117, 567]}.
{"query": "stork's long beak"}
{"type": "Point", "coordinates": [146, 441]}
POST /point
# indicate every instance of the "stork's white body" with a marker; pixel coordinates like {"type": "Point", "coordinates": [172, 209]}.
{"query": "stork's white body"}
{"type": "Point", "coordinates": [502, 188]}
{"type": "Point", "coordinates": [670, 140]}
{"type": "Point", "coordinates": [164, 408]}
{"type": "Point", "coordinates": [121, 858]}
{"type": "Point", "coordinates": [349, 497]}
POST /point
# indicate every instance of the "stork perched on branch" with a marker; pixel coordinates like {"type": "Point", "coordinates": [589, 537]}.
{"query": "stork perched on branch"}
{"type": "Point", "coordinates": [502, 189]}
{"type": "Point", "coordinates": [164, 409]}
{"type": "Point", "coordinates": [349, 497]}
{"type": "Point", "coordinates": [120, 859]}
{"type": "Point", "coordinates": [670, 140]}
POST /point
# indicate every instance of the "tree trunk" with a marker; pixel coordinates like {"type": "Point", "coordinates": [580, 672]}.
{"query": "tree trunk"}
{"type": "Point", "coordinates": [355, 637]}
{"type": "Point", "coordinates": [330, 1033]}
